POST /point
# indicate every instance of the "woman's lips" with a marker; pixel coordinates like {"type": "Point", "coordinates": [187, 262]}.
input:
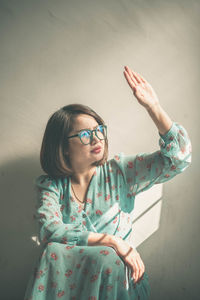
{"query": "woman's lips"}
{"type": "Point", "coordinates": [96, 150]}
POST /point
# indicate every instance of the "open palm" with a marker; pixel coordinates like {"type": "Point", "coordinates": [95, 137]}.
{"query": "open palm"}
{"type": "Point", "coordinates": [142, 90]}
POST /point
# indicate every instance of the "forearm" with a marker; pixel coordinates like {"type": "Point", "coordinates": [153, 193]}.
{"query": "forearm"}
{"type": "Point", "coordinates": [100, 239]}
{"type": "Point", "coordinates": [160, 118]}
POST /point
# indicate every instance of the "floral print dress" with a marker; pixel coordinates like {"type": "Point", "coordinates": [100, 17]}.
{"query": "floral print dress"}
{"type": "Point", "coordinates": [67, 267]}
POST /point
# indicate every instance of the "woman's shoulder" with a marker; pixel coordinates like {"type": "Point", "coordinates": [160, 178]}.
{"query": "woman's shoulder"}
{"type": "Point", "coordinates": [115, 157]}
{"type": "Point", "coordinates": [115, 164]}
{"type": "Point", "coordinates": [45, 180]}
{"type": "Point", "coordinates": [120, 158]}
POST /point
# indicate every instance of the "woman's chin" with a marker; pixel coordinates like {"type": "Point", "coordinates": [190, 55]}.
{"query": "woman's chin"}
{"type": "Point", "coordinates": [97, 157]}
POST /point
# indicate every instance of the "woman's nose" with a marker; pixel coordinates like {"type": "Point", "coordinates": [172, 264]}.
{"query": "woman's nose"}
{"type": "Point", "coordinates": [94, 139]}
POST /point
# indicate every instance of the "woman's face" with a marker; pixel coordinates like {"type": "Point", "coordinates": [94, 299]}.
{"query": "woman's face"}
{"type": "Point", "coordinates": [81, 155]}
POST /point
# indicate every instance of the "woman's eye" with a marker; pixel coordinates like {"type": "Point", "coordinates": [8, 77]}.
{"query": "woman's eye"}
{"type": "Point", "coordinates": [85, 133]}
{"type": "Point", "coordinates": [100, 128]}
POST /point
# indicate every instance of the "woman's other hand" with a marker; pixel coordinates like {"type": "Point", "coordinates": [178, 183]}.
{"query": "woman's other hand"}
{"type": "Point", "coordinates": [142, 90]}
{"type": "Point", "coordinates": [130, 256]}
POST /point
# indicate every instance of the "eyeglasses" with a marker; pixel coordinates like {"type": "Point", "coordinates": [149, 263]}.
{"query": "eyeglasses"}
{"type": "Point", "coordinates": [86, 135]}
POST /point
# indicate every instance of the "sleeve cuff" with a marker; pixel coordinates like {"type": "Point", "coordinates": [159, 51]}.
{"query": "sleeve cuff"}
{"type": "Point", "coordinates": [83, 238]}
{"type": "Point", "coordinates": [171, 131]}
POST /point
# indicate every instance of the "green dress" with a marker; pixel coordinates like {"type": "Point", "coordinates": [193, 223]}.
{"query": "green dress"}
{"type": "Point", "coordinates": [67, 267]}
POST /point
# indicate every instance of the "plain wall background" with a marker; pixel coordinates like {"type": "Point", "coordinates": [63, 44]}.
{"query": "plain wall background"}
{"type": "Point", "coordinates": [53, 53]}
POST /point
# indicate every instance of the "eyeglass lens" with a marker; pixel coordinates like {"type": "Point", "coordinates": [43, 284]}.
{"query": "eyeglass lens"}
{"type": "Point", "coordinates": [86, 134]}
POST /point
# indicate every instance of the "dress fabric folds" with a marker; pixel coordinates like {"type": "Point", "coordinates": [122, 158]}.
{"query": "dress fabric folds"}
{"type": "Point", "coordinates": [67, 268]}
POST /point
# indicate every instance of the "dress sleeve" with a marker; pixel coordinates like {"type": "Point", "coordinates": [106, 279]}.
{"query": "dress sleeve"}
{"type": "Point", "coordinates": [146, 169]}
{"type": "Point", "coordinates": [49, 216]}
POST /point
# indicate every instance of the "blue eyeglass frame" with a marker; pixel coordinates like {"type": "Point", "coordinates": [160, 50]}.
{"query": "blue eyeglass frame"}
{"type": "Point", "coordinates": [91, 134]}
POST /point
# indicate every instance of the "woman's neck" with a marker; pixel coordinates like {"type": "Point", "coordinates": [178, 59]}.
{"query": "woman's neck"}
{"type": "Point", "coordinates": [82, 178]}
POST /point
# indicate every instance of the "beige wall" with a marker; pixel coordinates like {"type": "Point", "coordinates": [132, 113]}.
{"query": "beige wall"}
{"type": "Point", "coordinates": [53, 53]}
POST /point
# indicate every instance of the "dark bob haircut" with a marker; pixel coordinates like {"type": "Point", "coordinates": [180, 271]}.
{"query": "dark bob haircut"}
{"type": "Point", "coordinates": [53, 158]}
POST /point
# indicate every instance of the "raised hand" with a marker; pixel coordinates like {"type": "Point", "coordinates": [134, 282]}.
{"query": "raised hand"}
{"type": "Point", "coordinates": [142, 90]}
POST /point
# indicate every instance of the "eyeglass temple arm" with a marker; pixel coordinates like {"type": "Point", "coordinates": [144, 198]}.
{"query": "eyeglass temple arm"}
{"type": "Point", "coordinates": [72, 136]}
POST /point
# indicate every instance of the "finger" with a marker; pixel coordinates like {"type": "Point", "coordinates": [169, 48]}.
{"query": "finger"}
{"type": "Point", "coordinates": [132, 266]}
{"type": "Point", "coordinates": [129, 273]}
{"type": "Point", "coordinates": [130, 73]}
{"type": "Point", "coordinates": [141, 268]}
{"type": "Point", "coordinates": [132, 273]}
{"type": "Point", "coordinates": [131, 78]}
{"type": "Point", "coordinates": [137, 78]}
{"type": "Point", "coordinates": [131, 269]}
{"type": "Point", "coordinates": [133, 75]}
{"type": "Point", "coordinates": [130, 81]}
{"type": "Point", "coordinates": [142, 78]}
{"type": "Point", "coordinates": [138, 272]}
{"type": "Point", "coordinates": [135, 272]}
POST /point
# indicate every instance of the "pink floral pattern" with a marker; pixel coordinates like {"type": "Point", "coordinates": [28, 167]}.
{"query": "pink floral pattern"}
{"type": "Point", "coordinates": [54, 256]}
{"type": "Point", "coordinates": [67, 261]}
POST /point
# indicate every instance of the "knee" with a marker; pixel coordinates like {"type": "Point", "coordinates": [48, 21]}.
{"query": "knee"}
{"type": "Point", "coordinates": [54, 250]}
{"type": "Point", "coordinates": [109, 258]}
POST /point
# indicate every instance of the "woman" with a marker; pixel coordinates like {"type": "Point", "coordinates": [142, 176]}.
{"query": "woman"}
{"type": "Point", "coordinates": [84, 202]}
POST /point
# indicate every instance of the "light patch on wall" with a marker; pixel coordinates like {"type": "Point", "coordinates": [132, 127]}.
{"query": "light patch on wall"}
{"type": "Point", "coordinates": [146, 214]}
{"type": "Point", "coordinates": [36, 240]}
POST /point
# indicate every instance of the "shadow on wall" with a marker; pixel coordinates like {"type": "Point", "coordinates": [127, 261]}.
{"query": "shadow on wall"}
{"type": "Point", "coordinates": [18, 250]}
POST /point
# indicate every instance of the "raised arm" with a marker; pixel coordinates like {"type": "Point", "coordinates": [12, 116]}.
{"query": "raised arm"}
{"type": "Point", "coordinates": [145, 169]}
